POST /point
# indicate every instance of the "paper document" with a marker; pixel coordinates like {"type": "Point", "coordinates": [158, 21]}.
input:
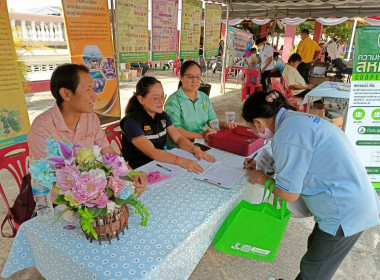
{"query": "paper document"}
{"type": "Point", "coordinates": [163, 168]}
{"type": "Point", "coordinates": [221, 174]}
{"type": "Point", "coordinates": [183, 153]}
{"type": "Point", "coordinates": [265, 163]}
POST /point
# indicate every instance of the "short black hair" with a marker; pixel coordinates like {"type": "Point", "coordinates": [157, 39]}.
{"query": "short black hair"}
{"type": "Point", "coordinates": [259, 41]}
{"type": "Point", "coordinates": [294, 58]}
{"type": "Point", "coordinates": [306, 31]}
{"type": "Point", "coordinates": [253, 50]}
{"type": "Point", "coordinates": [275, 54]}
{"type": "Point", "coordinates": [65, 76]}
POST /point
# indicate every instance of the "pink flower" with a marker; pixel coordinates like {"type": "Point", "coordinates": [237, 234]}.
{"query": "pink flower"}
{"type": "Point", "coordinates": [91, 191]}
{"type": "Point", "coordinates": [116, 185]}
{"type": "Point", "coordinates": [117, 163]}
{"type": "Point", "coordinates": [66, 177]}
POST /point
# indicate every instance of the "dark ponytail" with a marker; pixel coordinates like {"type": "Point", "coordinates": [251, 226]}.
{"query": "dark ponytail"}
{"type": "Point", "coordinates": [264, 105]}
{"type": "Point", "coordinates": [185, 66]}
{"type": "Point", "coordinates": [142, 89]}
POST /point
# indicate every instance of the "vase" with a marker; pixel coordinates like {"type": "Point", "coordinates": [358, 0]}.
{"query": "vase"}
{"type": "Point", "coordinates": [110, 226]}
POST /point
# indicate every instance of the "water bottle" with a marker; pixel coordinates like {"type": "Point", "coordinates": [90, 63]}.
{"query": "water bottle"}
{"type": "Point", "coordinates": [44, 206]}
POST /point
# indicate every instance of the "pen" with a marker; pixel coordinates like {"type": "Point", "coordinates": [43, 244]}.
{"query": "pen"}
{"type": "Point", "coordinates": [167, 169]}
{"type": "Point", "coordinates": [252, 158]}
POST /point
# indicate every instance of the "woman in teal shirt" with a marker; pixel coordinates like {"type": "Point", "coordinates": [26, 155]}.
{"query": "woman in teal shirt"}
{"type": "Point", "coordinates": [190, 109]}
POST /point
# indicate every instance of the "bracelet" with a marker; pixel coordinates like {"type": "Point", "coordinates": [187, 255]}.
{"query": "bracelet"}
{"type": "Point", "coordinates": [258, 181]}
{"type": "Point", "coordinates": [269, 182]}
{"type": "Point", "coordinates": [176, 160]}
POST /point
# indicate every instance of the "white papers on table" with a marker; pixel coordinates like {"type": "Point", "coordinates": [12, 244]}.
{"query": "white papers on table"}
{"type": "Point", "coordinates": [163, 168]}
{"type": "Point", "coordinates": [183, 153]}
{"type": "Point", "coordinates": [221, 174]}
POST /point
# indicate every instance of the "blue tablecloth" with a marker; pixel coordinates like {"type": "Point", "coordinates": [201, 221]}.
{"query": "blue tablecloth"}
{"type": "Point", "coordinates": [330, 89]}
{"type": "Point", "coordinates": [185, 215]}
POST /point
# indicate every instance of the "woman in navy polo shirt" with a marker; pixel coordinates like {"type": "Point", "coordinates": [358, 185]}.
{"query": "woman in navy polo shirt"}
{"type": "Point", "coordinates": [315, 160]}
{"type": "Point", "coordinates": [146, 126]}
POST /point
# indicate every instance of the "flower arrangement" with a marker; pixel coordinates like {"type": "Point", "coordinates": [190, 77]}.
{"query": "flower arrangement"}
{"type": "Point", "coordinates": [87, 183]}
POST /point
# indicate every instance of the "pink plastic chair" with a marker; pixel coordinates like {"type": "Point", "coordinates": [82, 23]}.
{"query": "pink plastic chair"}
{"type": "Point", "coordinates": [176, 66]}
{"type": "Point", "coordinates": [279, 85]}
{"type": "Point", "coordinates": [248, 88]}
{"type": "Point", "coordinates": [14, 159]}
{"type": "Point", "coordinates": [113, 133]}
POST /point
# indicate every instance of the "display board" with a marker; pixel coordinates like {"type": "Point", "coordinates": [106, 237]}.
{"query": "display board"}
{"type": "Point", "coordinates": [213, 16]}
{"type": "Point", "coordinates": [363, 118]}
{"type": "Point", "coordinates": [14, 120]}
{"type": "Point", "coordinates": [190, 28]}
{"type": "Point", "coordinates": [132, 30]}
{"type": "Point", "coordinates": [89, 37]}
{"type": "Point", "coordinates": [164, 29]}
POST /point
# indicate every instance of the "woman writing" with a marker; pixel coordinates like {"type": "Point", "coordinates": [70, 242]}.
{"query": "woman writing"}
{"type": "Point", "coordinates": [315, 160]}
{"type": "Point", "coordinates": [191, 109]}
{"type": "Point", "coordinates": [146, 126]}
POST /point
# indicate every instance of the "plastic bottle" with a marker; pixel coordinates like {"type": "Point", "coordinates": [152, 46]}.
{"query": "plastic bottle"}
{"type": "Point", "coordinates": [44, 206]}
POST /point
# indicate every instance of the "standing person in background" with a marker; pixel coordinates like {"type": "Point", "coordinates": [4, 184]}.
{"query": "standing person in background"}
{"type": "Point", "coordinates": [221, 46]}
{"type": "Point", "coordinates": [332, 49]}
{"type": "Point", "coordinates": [341, 51]}
{"type": "Point", "coordinates": [266, 59]}
{"type": "Point", "coordinates": [309, 51]}
{"type": "Point", "coordinates": [322, 45]}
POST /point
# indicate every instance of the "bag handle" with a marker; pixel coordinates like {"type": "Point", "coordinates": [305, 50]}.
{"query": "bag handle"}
{"type": "Point", "coordinates": [271, 182]}
{"type": "Point", "coordinates": [8, 218]}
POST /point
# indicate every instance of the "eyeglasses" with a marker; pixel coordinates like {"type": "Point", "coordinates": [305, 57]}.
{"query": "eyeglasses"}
{"type": "Point", "coordinates": [190, 76]}
{"type": "Point", "coordinates": [158, 99]}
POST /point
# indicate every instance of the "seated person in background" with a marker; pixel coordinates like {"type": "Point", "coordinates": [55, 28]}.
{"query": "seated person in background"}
{"type": "Point", "coordinates": [293, 78]}
{"type": "Point", "coordinates": [322, 45]}
{"type": "Point", "coordinates": [146, 126]}
{"type": "Point", "coordinates": [72, 119]}
{"type": "Point", "coordinates": [191, 109]}
{"type": "Point", "coordinates": [279, 64]}
{"type": "Point", "coordinates": [254, 52]}
{"type": "Point", "coordinates": [252, 64]}
{"type": "Point", "coordinates": [144, 67]}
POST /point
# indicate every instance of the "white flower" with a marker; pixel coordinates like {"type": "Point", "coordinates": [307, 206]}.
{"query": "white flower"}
{"type": "Point", "coordinates": [69, 216]}
{"type": "Point", "coordinates": [97, 172]}
{"type": "Point", "coordinates": [129, 185]}
{"type": "Point", "coordinates": [111, 206]}
{"type": "Point", "coordinates": [96, 151]}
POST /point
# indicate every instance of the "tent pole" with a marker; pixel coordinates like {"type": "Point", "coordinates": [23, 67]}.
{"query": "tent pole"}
{"type": "Point", "coordinates": [352, 39]}
{"type": "Point", "coordinates": [223, 80]}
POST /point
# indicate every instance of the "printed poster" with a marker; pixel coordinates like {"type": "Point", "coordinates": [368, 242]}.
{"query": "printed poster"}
{"type": "Point", "coordinates": [190, 28]}
{"type": "Point", "coordinates": [240, 40]}
{"type": "Point", "coordinates": [89, 37]}
{"type": "Point", "coordinates": [132, 30]}
{"type": "Point", "coordinates": [213, 16]}
{"type": "Point", "coordinates": [363, 118]}
{"type": "Point", "coordinates": [164, 29]}
{"type": "Point", "coordinates": [14, 120]}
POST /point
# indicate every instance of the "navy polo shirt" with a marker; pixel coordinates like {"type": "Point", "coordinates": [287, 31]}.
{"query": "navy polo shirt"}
{"type": "Point", "coordinates": [138, 124]}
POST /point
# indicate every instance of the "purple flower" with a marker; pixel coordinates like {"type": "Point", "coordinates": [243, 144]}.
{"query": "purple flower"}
{"type": "Point", "coordinates": [66, 177]}
{"type": "Point", "coordinates": [67, 155]}
{"type": "Point", "coordinates": [117, 163]}
{"type": "Point", "coordinates": [91, 191]}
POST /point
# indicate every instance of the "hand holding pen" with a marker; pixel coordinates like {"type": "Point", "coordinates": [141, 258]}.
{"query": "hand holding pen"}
{"type": "Point", "coordinates": [250, 163]}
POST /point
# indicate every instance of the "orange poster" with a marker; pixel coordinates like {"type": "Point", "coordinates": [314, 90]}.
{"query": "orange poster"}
{"type": "Point", "coordinates": [88, 28]}
{"type": "Point", "coordinates": [14, 120]}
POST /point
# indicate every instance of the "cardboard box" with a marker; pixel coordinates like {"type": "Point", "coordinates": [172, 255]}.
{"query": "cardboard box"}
{"type": "Point", "coordinates": [318, 80]}
{"type": "Point", "coordinates": [337, 121]}
{"type": "Point", "coordinates": [318, 110]}
{"type": "Point", "coordinates": [131, 75]}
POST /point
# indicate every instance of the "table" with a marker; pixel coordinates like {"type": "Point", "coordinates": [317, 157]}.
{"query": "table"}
{"type": "Point", "coordinates": [330, 90]}
{"type": "Point", "coordinates": [185, 216]}
{"type": "Point", "coordinates": [347, 72]}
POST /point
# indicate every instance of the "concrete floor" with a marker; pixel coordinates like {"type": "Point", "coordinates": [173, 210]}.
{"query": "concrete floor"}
{"type": "Point", "coordinates": [363, 262]}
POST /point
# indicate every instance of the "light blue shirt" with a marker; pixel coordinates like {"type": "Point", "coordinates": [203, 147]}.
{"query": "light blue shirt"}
{"type": "Point", "coordinates": [314, 158]}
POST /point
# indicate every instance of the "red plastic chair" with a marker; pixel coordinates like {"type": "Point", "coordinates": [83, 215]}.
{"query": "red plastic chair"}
{"type": "Point", "coordinates": [14, 159]}
{"type": "Point", "coordinates": [248, 88]}
{"type": "Point", "coordinates": [176, 66]}
{"type": "Point", "coordinates": [279, 85]}
{"type": "Point", "coordinates": [113, 133]}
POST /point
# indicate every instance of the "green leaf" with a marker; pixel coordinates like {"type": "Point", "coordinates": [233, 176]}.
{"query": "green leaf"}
{"type": "Point", "coordinates": [60, 200]}
{"type": "Point", "coordinates": [142, 210]}
{"type": "Point", "coordinates": [133, 173]}
{"type": "Point", "coordinates": [110, 192]}
{"type": "Point", "coordinates": [120, 201]}
{"type": "Point", "coordinates": [103, 211]}
{"type": "Point", "coordinates": [86, 221]}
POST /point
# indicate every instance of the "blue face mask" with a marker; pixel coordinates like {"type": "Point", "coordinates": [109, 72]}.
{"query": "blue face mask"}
{"type": "Point", "coordinates": [267, 132]}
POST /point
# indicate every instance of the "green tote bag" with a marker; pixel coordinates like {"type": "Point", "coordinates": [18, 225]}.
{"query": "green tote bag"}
{"type": "Point", "coordinates": [253, 230]}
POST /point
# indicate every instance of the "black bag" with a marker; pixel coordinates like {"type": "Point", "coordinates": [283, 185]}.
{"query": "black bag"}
{"type": "Point", "coordinates": [338, 63]}
{"type": "Point", "coordinates": [206, 88]}
{"type": "Point", "coordinates": [22, 209]}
